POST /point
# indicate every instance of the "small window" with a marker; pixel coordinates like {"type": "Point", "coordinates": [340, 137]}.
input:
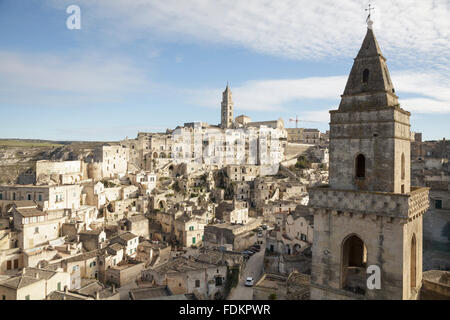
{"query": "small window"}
{"type": "Point", "coordinates": [197, 283]}
{"type": "Point", "coordinates": [360, 166]}
{"type": "Point", "coordinates": [438, 204]}
{"type": "Point", "coordinates": [403, 166]}
{"type": "Point", "coordinates": [366, 76]}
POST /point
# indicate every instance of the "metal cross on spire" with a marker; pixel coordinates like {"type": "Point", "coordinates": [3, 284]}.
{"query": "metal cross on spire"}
{"type": "Point", "coordinates": [370, 8]}
{"type": "Point", "coordinates": [368, 20]}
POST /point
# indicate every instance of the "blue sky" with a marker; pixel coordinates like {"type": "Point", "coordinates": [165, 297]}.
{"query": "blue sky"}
{"type": "Point", "coordinates": [147, 65]}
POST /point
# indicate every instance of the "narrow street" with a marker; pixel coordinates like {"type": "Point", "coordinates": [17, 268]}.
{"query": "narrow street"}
{"type": "Point", "coordinates": [253, 268]}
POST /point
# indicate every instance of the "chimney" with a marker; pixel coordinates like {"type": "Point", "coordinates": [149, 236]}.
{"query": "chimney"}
{"type": "Point", "coordinates": [97, 295]}
{"type": "Point", "coordinates": [113, 288]}
{"type": "Point", "coordinates": [23, 271]}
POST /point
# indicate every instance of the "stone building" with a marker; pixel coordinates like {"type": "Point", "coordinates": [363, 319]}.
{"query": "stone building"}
{"type": "Point", "coordinates": [368, 214]}
{"type": "Point", "coordinates": [182, 275]}
{"type": "Point", "coordinates": [36, 227]}
{"type": "Point", "coordinates": [292, 233]}
{"type": "Point", "coordinates": [92, 239]}
{"type": "Point", "coordinates": [129, 240]}
{"type": "Point", "coordinates": [124, 272]}
{"type": "Point", "coordinates": [114, 161]}
{"type": "Point", "coordinates": [189, 230]}
{"type": "Point", "coordinates": [60, 172]}
{"type": "Point", "coordinates": [231, 236]}
{"type": "Point", "coordinates": [137, 224]}
{"type": "Point", "coordinates": [33, 284]}
{"type": "Point", "coordinates": [48, 197]}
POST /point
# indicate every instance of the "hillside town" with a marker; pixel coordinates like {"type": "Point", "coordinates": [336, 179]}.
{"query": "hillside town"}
{"type": "Point", "coordinates": [240, 210]}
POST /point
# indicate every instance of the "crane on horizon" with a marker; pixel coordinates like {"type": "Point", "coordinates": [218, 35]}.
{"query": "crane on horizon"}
{"type": "Point", "coordinates": [297, 120]}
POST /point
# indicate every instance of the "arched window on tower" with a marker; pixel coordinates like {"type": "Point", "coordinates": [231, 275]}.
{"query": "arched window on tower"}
{"type": "Point", "coordinates": [354, 260]}
{"type": "Point", "coordinates": [360, 166]}
{"type": "Point", "coordinates": [366, 75]}
{"type": "Point", "coordinates": [403, 166]}
{"type": "Point", "coordinates": [413, 261]}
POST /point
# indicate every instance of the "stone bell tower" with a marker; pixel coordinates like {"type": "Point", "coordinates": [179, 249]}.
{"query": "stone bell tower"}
{"type": "Point", "coordinates": [226, 109]}
{"type": "Point", "coordinates": [368, 215]}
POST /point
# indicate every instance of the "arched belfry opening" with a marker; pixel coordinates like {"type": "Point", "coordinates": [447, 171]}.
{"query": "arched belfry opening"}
{"type": "Point", "coordinates": [403, 166]}
{"type": "Point", "coordinates": [413, 262]}
{"type": "Point", "coordinates": [354, 260]}
{"type": "Point", "coordinates": [360, 166]}
{"type": "Point", "coordinates": [365, 76]}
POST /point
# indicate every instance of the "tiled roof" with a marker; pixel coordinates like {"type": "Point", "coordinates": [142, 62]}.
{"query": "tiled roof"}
{"type": "Point", "coordinates": [127, 236]}
{"type": "Point", "coordinates": [181, 264]}
{"type": "Point", "coordinates": [25, 204]}
{"type": "Point", "coordinates": [60, 295]}
{"type": "Point", "coordinates": [137, 217]}
{"type": "Point", "coordinates": [84, 256]}
{"type": "Point", "coordinates": [115, 247]}
{"type": "Point", "coordinates": [43, 273]}
{"type": "Point", "coordinates": [93, 232]}
{"type": "Point", "coordinates": [30, 212]}
{"type": "Point", "coordinates": [18, 282]}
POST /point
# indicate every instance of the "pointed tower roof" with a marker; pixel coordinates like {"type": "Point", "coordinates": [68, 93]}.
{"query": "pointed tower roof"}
{"type": "Point", "coordinates": [369, 84]}
{"type": "Point", "coordinates": [227, 88]}
{"type": "Point", "coordinates": [226, 96]}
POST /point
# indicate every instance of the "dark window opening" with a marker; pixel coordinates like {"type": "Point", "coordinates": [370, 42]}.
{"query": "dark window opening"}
{"type": "Point", "coordinates": [366, 75]}
{"type": "Point", "coordinates": [354, 259]}
{"type": "Point", "coordinates": [360, 166]}
{"type": "Point", "coordinates": [197, 283]}
{"type": "Point", "coordinates": [438, 204]}
{"type": "Point", "coordinates": [413, 261]}
{"type": "Point", "coordinates": [403, 166]}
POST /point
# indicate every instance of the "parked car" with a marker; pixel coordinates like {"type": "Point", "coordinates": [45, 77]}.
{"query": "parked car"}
{"type": "Point", "coordinates": [259, 229]}
{"type": "Point", "coordinates": [260, 234]}
{"type": "Point", "coordinates": [257, 249]}
{"type": "Point", "coordinates": [264, 227]}
{"type": "Point", "coordinates": [249, 282]}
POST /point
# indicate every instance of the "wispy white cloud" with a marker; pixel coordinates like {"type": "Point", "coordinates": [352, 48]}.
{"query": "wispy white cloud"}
{"type": "Point", "coordinates": [58, 80]}
{"type": "Point", "coordinates": [270, 95]}
{"type": "Point", "coordinates": [430, 91]}
{"type": "Point", "coordinates": [301, 29]}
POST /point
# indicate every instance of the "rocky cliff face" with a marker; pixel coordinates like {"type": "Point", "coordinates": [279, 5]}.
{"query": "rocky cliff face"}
{"type": "Point", "coordinates": [17, 158]}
